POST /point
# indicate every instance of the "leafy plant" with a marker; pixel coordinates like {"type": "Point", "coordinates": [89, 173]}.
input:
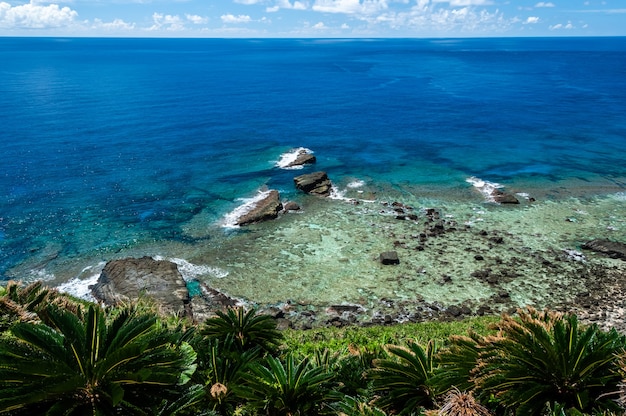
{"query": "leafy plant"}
{"type": "Point", "coordinates": [351, 406]}
{"type": "Point", "coordinates": [545, 358]}
{"type": "Point", "coordinates": [458, 403]}
{"type": "Point", "coordinates": [221, 368]}
{"type": "Point", "coordinates": [404, 381]}
{"type": "Point", "coordinates": [289, 389]}
{"type": "Point", "coordinates": [20, 303]}
{"type": "Point", "coordinates": [458, 362]}
{"type": "Point", "coordinates": [248, 329]}
{"type": "Point", "coordinates": [85, 364]}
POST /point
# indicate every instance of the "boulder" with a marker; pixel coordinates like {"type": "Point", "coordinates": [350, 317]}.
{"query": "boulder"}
{"type": "Point", "coordinates": [316, 183]}
{"type": "Point", "coordinates": [264, 209]}
{"type": "Point", "coordinates": [302, 158]}
{"type": "Point", "coordinates": [389, 257]}
{"type": "Point", "coordinates": [129, 279]}
{"type": "Point", "coordinates": [503, 197]}
{"type": "Point", "coordinates": [291, 206]}
{"type": "Point", "coordinates": [612, 249]}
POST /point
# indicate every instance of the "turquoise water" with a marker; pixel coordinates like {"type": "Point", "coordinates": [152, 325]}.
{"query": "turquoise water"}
{"type": "Point", "coordinates": [126, 147]}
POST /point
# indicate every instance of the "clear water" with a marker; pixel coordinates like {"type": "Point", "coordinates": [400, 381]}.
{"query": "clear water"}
{"type": "Point", "coordinates": [128, 147]}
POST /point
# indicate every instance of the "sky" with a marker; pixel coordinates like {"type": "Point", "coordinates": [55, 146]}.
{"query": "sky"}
{"type": "Point", "coordinates": [312, 18]}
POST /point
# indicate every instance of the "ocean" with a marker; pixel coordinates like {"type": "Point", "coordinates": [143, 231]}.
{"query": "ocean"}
{"type": "Point", "coordinates": [116, 148]}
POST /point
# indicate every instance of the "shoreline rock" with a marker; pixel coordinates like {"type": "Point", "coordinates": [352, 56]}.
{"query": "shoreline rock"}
{"type": "Point", "coordinates": [264, 209]}
{"type": "Point", "coordinates": [131, 279]}
{"type": "Point", "coordinates": [316, 183]}
{"type": "Point", "coordinates": [303, 157]}
{"type": "Point", "coordinates": [613, 249]}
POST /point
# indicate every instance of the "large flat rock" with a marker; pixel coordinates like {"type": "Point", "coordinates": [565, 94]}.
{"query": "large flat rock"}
{"type": "Point", "coordinates": [610, 248]}
{"type": "Point", "coordinates": [129, 279]}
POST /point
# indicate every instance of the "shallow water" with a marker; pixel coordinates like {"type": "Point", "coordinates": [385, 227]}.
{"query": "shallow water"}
{"type": "Point", "coordinates": [130, 147]}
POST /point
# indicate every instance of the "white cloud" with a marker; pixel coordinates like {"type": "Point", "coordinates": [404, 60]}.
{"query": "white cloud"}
{"type": "Point", "coordinates": [531, 20]}
{"type": "Point", "coordinates": [544, 4]}
{"type": "Point", "coordinates": [230, 18]}
{"type": "Point", "coordinates": [463, 3]}
{"type": "Point", "coordinates": [367, 7]}
{"type": "Point", "coordinates": [35, 16]}
{"type": "Point", "coordinates": [319, 26]}
{"type": "Point", "coordinates": [248, 2]}
{"type": "Point", "coordinates": [196, 20]}
{"type": "Point", "coordinates": [559, 26]}
{"type": "Point", "coordinates": [168, 22]}
{"type": "Point", "coordinates": [116, 25]}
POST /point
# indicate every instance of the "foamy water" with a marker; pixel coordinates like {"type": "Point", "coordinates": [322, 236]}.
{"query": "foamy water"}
{"type": "Point", "coordinates": [287, 158]}
{"type": "Point", "coordinates": [247, 204]}
{"type": "Point", "coordinates": [486, 188]}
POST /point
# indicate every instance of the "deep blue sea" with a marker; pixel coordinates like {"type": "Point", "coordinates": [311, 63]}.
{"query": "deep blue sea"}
{"type": "Point", "coordinates": [109, 144]}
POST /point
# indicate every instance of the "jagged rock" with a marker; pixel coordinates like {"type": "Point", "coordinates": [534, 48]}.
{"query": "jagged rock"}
{"type": "Point", "coordinates": [316, 183]}
{"type": "Point", "coordinates": [130, 279]}
{"type": "Point", "coordinates": [264, 209]}
{"type": "Point", "coordinates": [291, 206]}
{"type": "Point", "coordinates": [303, 158]}
{"type": "Point", "coordinates": [389, 257]}
{"type": "Point", "coordinates": [612, 249]}
{"type": "Point", "coordinates": [210, 301]}
{"type": "Point", "coordinates": [503, 197]}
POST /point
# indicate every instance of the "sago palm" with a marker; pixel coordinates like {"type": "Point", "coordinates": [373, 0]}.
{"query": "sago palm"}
{"type": "Point", "coordinates": [19, 303]}
{"type": "Point", "coordinates": [289, 389]}
{"type": "Point", "coordinates": [545, 358]}
{"type": "Point", "coordinates": [404, 381]}
{"type": "Point", "coordinates": [247, 328]}
{"type": "Point", "coordinates": [83, 363]}
{"type": "Point", "coordinates": [221, 368]}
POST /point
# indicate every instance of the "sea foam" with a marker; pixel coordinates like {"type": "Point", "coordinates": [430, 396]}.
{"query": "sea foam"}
{"type": "Point", "coordinates": [289, 157]}
{"type": "Point", "coordinates": [484, 187]}
{"type": "Point", "coordinates": [79, 287]}
{"type": "Point", "coordinates": [191, 271]}
{"type": "Point", "coordinates": [230, 220]}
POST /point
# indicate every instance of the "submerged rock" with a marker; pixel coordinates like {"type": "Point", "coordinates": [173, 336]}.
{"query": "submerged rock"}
{"type": "Point", "coordinates": [316, 183]}
{"type": "Point", "coordinates": [129, 279]}
{"type": "Point", "coordinates": [389, 257]}
{"type": "Point", "coordinates": [612, 249]}
{"type": "Point", "coordinates": [266, 208]}
{"type": "Point", "coordinates": [502, 197]}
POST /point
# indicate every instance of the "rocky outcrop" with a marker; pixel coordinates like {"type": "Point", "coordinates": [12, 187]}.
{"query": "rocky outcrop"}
{"type": "Point", "coordinates": [129, 279]}
{"type": "Point", "coordinates": [612, 249]}
{"type": "Point", "coordinates": [502, 197]}
{"type": "Point", "coordinates": [264, 209]}
{"type": "Point", "coordinates": [303, 157]}
{"type": "Point", "coordinates": [316, 183]}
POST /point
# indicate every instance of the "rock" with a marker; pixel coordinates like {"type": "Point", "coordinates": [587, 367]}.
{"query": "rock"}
{"type": "Point", "coordinates": [291, 206]}
{"type": "Point", "coordinates": [316, 183]}
{"type": "Point", "coordinates": [612, 249]}
{"type": "Point", "coordinates": [265, 209]}
{"type": "Point", "coordinates": [503, 197]}
{"type": "Point", "coordinates": [129, 279]}
{"type": "Point", "coordinates": [303, 158]}
{"type": "Point", "coordinates": [389, 257]}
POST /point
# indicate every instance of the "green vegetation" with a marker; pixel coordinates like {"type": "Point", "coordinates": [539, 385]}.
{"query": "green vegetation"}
{"type": "Point", "coordinates": [68, 357]}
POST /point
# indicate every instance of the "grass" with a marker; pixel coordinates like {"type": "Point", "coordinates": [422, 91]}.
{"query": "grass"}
{"type": "Point", "coordinates": [373, 338]}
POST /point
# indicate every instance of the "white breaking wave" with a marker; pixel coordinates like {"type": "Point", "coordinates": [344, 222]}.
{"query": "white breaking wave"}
{"type": "Point", "coordinates": [289, 157]}
{"type": "Point", "coordinates": [230, 220]}
{"type": "Point", "coordinates": [192, 271]}
{"type": "Point", "coordinates": [484, 187]}
{"type": "Point", "coordinates": [78, 287]}
{"type": "Point", "coordinates": [358, 183]}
